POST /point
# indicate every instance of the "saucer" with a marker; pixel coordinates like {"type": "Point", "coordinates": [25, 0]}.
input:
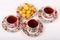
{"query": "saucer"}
{"type": "Point", "coordinates": [33, 29]}
{"type": "Point", "coordinates": [47, 14]}
{"type": "Point", "coordinates": [12, 23]}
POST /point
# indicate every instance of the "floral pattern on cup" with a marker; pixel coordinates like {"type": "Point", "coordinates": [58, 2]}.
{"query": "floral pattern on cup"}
{"type": "Point", "coordinates": [11, 26]}
{"type": "Point", "coordinates": [33, 31]}
{"type": "Point", "coordinates": [47, 14]}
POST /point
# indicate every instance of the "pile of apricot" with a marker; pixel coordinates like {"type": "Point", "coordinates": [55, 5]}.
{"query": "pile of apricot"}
{"type": "Point", "coordinates": [26, 10]}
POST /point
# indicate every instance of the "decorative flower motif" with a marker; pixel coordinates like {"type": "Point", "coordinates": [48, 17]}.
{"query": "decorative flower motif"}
{"type": "Point", "coordinates": [45, 17]}
{"type": "Point", "coordinates": [33, 32]}
{"type": "Point", "coordinates": [12, 27]}
{"type": "Point", "coordinates": [31, 27]}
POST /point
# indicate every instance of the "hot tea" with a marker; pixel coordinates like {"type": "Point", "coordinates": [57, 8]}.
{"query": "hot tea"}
{"type": "Point", "coordinates": [32, 23]}
{"type": "Point", "coordinates": [48, 10]}
{"type": "Point", "coordinates": [11, 19]}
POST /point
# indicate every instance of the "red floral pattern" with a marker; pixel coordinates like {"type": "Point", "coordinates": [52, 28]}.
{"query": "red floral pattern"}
{"type": "Point", "coordinates": [47, 17]}
{"type": "Point", "coordinates": [12, 27]}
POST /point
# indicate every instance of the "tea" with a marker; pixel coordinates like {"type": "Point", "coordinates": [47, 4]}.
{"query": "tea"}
{"type": "Point", "coordinates": [48, 10]}
{"type": "Point", "coordinates": [11, 19]}
{"type": "Point", "coordinates": [32, 23]}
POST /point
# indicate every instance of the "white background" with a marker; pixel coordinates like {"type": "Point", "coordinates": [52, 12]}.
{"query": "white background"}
{"type": "Point", "coordinates": [51, 30]}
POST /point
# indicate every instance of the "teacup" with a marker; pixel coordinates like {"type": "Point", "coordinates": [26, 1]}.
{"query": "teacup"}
{"type": "Point", "coordinates": [47, 14]}
{"type": "Point", "coordinates": [12, 23]}
{"type": "Point", "coordinates": [32, 27]}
